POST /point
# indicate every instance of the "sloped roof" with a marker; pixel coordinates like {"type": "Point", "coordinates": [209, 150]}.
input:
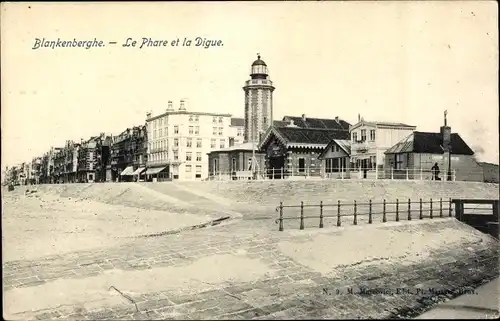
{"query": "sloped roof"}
{"type": "Point", "coordinates": [280, 123]}
{"type": "Point", "coordinates": [245, 146]}
{"type": "Point", "coordinates": [344, 144]}
{"type": "Point", "coordinates": [424, 142]}
{"type": "Point", "coordinates": [324, 123]}
{"type": "Point", "coordinates": [238, 122]}
{"type": "Point", "coordinates": [304, 137]}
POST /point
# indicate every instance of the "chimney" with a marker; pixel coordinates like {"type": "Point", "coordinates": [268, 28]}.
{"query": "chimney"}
{"type": "Point", "coordinates": [170, 106]}
{"type": "Point", "coordinates": [148, 115]}
{"type": "Point", "coordinates": [359, 117]}
{"type": "Point", "coordinates": [446, 134]}
{"type": "Point", "coordinates": [304, 117]}
{"type": "Point", "coordinates": [182, 107]}
{"type": "Point", "coordinates": [337, 119]}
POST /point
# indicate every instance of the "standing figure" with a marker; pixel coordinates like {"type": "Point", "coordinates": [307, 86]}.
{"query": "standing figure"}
{"type": "Point", "coordinates": [435, 172]}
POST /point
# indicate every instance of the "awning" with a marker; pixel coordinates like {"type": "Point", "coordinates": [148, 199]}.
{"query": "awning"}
{"type": "Point", "coordinates": [139, 170]}
{"type": "Point", "coordinates": [155, 170]}
{"type": "Point", "coordinates": [127, 171]}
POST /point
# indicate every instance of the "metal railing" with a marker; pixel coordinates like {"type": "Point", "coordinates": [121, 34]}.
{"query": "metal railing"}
{"type": "Point", "coordinates": [370, 211]}
{"type": "Point", "coordinates": [340, 173]}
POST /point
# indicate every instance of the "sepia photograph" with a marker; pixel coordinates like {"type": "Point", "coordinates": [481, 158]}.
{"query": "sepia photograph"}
{"type": "Point", "coordinates": [250, 160]}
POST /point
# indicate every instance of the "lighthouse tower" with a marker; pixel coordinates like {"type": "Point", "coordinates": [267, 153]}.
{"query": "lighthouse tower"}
{"type": "Point", "coordinates": [258, 102]}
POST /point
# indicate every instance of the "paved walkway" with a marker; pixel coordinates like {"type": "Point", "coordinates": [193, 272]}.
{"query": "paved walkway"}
{"type": "Point", "coordinates": [483, 303]}
{"type": "Point", "coordinates": [229, 272]}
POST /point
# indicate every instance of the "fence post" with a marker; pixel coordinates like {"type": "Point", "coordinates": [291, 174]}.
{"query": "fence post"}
{"type": "Point", "coordinates": [392, 173]}
{"type": "Point", "coordinates": [321, 214]}
{"type": "Point", "coordinates": [282, 172]}
{"type": "Point", "coordinates": [407, 176]}
{"type": "Point", "coordinates": [355, 214]}
{"type": "Point", "coordinates": [281, 217]}
{"type": "Point", "coordinates": [370, 213]}
{"type": "Point", "coordinates": [454, 175]}
{"type": "Point", "coordinates": [338, 213]}
{"type": "Point", "coordinates": [421, 175]}
{"type": "Point", "coordinates": [409, 210]}
{"type": "Point", "coordinates": [397, 210]}
{"type": "Point", "coordinates": [449, 208]}
{"type": "Point", "coordinates": [302, 215]}
{"type": "Point", "coordinates": [421, 214]}
{"type": "Point", "coordinates": [431, 208]}
{"type": "Point", "coordinates": [384, 217]}
{"type": "Point", "coordinates": [441, 207]}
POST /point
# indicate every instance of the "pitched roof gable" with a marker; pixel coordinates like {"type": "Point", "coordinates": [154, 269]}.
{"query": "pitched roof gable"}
{"type": "Point", "coordinates": [425, 142]}
{"type": "Point", "coordinates": [237, 121]}
{"type": "Point", "coordinates": [304, 137]}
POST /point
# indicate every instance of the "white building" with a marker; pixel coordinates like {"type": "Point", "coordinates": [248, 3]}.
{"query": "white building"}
{"type": "Point", "coordinates": [370, 140]}
{"type": "Point", "coordinates": [236, 131]}
{"type": "Point", "coordinates": [179, 141]}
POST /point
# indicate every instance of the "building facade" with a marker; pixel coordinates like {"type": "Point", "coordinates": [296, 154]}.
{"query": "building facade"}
{"type": "Point", "coordinates": [179, 141]}
{"type": "Point", "coordinates": [94, 158]}
{"type": "Point", "coordinates": [236, 131]}
{"type": "Point", "coordinates": [415, 155]}
{"type": "Point", "coordinates": [370, 140]}
{"type": "Point", "coordinates": [258, 102]}
{"type": "Point", "coordinates": [128, 155]}
{"type": "Point", "coordinates": [335, 159]}
{"type": "Point", "coordinates": [293, 151]}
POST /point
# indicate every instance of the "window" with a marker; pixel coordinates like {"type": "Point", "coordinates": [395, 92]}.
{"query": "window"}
{"type": "Point", "coordinates": [240, 132]}
{"type": "Point", "coordinates": [196, 118]}
{"type": "Point", "coordinates": [197, 130]}
{"type": "Point", "coordinates": [249, 164]}
{"type": "Point", "coordinates": [198, 143]}
{"type": "Point", "coordinates": [166, 131]}
{"type": "Point", "coordinates": [220, 120]}
{"type": "Point", "coordinates": [198, 168]}
{"type": "Point", "coordinates": [176, 142]}
{"type": "Point", "coordinates": [190, 118]}
{"type": "Point", "coordinates": [176, 155]}
{"type": "Point", "coordinates": [233, 164]}
{"type": "Point", "coordinates": [154, 134]}
{"type": "Point", "coordinates": [363, 135]}
{"type": "Point", "coordinates": [373, 162]}
{"type": "Point", "coordinates": [189, 156]}
{"type": "Point", "coordinates": [188, 169]}
{"type": "Point", "coordinates": [222, 143]}
{"type": "Point", "coordinates": [161, 121]}
{"type": "Point", "coordinates": [190, 130]}
{"type": "Point", "coordinates": [399, 161]}
{"type": "Point", "coordinates": [198, 157]}
{"type": "Point", "coordinates": [215, 131]}
{"type": "Point", "coordinates": [154, 124]}
{"type": "Point", "coordinates": [213, 143]}
{"type": "Point", "coordinates": [216, 166]}
{"type": "Point", "coordinates": [215, 120]}
{"type": "Point", "coordinates": [160, 132]}
{"type": "Point", "coordinates": [176, 129]}
{"type": "Point", "coordinates": [354, 137]}
{"type": "Point", "coordinates": [372, 135]}
{"type": "Point", "coordinates": [302, 165]}
{"type": "Point", "coordinates": [189, 142]}
{"type": "Point", "coordinates": [265, 120]}
{"type": "Point", "coordinates": [221, 129]}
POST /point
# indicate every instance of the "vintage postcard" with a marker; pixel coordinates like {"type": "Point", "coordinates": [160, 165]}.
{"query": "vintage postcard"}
{"type": "Point", "coordinates": [250, 160]}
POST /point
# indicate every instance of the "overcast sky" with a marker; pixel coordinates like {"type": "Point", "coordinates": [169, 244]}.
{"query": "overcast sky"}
{"type": "Point", "coordinates": [390, 61]}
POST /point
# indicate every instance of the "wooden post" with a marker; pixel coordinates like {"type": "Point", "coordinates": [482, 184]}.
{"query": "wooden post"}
{"type": "Point", "coordinates": [392, 173]}
{"type": "Point", "coordinates": [397, 210]}
{"type": "Point", "coordinates": [355, 214]}
{"type": "Point", "coordinates": [281, 217]}
{"type": "Point", "coordinates": [407, 176]}
{"type": "Point", "coordinates": [430, 209]}
{"type": "Point", "coordinates": [421, 213]}
{"type": "Point", "coordinates": [384, 217]}
{"type": "Point", "coordinates": [409, 210]}
{"type": "Point", "coordinates": [338, 213]}
{"type": "Point", "coordinates": [449, 208]}
{"type": "Point", "coordinates": [441, 207]}
{"type": "Point", "coordinates": [321, 214]}
{"type": "Point", "coordinates": [370, 213]}
{"type": "Point", "coordinates": [302, 215]}
{"type": "Point", "coordinates": [421, 176]}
